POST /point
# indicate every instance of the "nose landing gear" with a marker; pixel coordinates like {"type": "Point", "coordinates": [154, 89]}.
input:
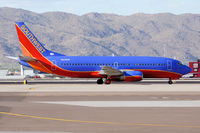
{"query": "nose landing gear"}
{"type": "Point", "coordinates": [170, 81]}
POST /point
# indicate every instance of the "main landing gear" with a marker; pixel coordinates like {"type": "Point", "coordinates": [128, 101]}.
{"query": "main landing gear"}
{"type": "Point", "coordinates": [170, 81]}
{"type": "Point", "coordinates": [107, 81]}
{"type": "Point", "coordinates": [100, 81]}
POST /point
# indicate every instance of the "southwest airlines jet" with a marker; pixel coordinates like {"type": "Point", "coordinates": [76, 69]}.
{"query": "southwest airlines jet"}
{"type": "Point", "coordinates": [104, 68]}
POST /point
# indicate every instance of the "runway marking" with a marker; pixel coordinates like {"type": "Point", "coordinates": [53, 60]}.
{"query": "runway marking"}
{"type": "Point", "coordinates": [136, 104]}
{"type": "Point", "coordinates": [96, 122]}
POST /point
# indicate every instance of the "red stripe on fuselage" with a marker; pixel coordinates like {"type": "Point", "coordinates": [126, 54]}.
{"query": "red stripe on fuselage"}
{"type": "Point", "coordinates": [133, 78]}
{"type": "Point", "coordinates": [159, 74]}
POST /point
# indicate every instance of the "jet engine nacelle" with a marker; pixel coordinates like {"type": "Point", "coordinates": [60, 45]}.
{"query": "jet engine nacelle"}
{"type": "Point", "coordinates": [133, 76]}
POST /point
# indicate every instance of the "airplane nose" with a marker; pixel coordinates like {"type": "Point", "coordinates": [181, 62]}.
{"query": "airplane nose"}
{"type": "Point", "coordinates": [188, 69]}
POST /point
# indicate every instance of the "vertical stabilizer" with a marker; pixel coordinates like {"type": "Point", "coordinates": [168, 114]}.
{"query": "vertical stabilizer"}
{"type": "Point", "coordinates": [30, 45]}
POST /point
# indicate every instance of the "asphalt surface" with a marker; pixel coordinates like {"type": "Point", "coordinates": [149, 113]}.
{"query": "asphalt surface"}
{"type": "Point", "coordinates": [26, 108]}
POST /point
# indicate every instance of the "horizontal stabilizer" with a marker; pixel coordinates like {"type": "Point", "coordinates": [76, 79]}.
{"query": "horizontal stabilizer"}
{"type": "Point", "coordinates": [27, 59]}
{"type": "Point", "coordinates": [12, 57]}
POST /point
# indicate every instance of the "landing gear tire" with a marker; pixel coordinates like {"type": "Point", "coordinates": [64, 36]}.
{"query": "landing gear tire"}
{"type": "Point", "coordinates": [100, 81]}
{"type": "Point", "coordinates": [108, 81]}
{"type": "Point", "coordinates": [170, 82]}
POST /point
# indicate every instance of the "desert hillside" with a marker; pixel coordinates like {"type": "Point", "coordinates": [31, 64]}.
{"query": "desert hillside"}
{"type": "Point", "coordinates": [175, 36]}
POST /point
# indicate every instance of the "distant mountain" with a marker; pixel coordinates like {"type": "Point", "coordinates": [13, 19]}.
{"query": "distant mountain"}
{"type": "Point", "coordinates": [164, 34]}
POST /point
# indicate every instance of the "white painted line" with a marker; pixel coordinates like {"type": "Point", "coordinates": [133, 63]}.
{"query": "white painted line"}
{"type": "Point", "coordinates": [126, 103]}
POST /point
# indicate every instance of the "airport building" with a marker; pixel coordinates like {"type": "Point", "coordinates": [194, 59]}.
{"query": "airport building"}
{"type": "Point", "coordinates": [195, 66]}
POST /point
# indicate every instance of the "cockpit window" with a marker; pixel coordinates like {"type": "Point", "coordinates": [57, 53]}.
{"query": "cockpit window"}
{"type": "Point", "coordinates": [179, 63]}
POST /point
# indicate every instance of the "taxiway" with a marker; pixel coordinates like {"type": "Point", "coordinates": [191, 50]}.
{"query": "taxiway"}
{"type": "Point", "coordinates": [91, 108]}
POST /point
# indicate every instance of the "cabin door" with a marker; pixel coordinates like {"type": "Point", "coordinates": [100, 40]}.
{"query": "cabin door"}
{"type": "Point", "coordinates": [169, 65]}
{"type": "Point", "coordinates": [116, 65]}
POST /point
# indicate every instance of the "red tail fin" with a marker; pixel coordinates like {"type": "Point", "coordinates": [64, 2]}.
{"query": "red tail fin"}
{"type": "Point", "coordinates": [29, 43]}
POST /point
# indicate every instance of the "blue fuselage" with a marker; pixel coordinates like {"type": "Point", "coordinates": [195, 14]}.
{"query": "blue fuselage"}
{"type": "Point", "coordinates": [148, 65]}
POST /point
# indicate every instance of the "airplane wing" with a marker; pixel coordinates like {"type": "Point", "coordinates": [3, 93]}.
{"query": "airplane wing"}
{"type": "Point", "coordinates": [27, 59]}
{"type": "Point", "coordinates": [109, 71]}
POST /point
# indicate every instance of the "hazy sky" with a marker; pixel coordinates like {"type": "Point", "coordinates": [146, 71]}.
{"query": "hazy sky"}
{"type": "Point", "coordinates": [121, 7]}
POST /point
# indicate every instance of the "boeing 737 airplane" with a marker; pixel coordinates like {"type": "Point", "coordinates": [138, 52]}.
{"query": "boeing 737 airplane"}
{"type": "Point", "coordinates": [105, 68]}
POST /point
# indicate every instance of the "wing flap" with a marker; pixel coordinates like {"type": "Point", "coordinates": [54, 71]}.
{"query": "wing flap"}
{"type": "Point", "coordinates": [12, 57]}
{"type": "Point", "coordinates": [109, 71]}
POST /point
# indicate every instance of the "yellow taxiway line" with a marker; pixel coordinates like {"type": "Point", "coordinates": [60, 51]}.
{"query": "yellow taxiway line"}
{"type": "Point", "coordinates": [96, 122]}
